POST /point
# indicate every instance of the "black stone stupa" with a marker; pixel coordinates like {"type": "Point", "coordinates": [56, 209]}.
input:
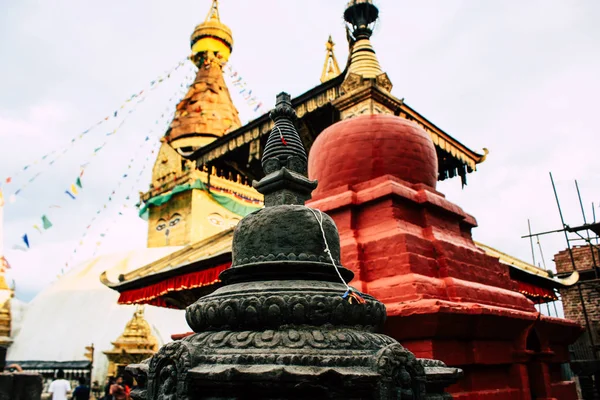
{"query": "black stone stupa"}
{"type": "Point", "coordinates": [285, 325]}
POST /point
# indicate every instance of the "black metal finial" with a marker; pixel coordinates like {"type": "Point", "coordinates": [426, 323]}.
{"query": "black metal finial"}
{"type": "Point", "coordinates": [284, 147]}
{"type": "Point", "coordinates": [361, 16]}
{"type": "Point", "coordinates": [284, 160]}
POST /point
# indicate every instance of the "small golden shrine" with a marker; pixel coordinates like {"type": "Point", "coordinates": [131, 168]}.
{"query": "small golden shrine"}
{"type": "Point", "coordinates": [6, 293]}
{"type": "Point", "coordinates": [135, 344]}
{"type": "Point", "coordinates": [5, 315]}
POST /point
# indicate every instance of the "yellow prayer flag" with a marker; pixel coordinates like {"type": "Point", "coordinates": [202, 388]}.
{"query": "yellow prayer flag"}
{"type": "Point", "coordinates": [73, 188]}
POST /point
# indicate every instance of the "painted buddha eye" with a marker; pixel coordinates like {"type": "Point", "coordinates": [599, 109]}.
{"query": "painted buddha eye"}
{"type": "Point", "coordinates": [161, 226]}
{"type": "Point", "coordinates": [174, 221]}
{"type": "Point", "coordinates": [216, 219]}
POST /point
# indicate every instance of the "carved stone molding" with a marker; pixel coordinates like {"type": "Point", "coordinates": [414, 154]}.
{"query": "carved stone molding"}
{"type": "Point", "coordinates": [241, 307]}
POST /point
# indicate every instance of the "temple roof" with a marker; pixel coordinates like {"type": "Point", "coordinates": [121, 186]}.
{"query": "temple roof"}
{"type": "Point", "coordinates": [316, 113]}
{"type": "Point", "coordinates": [205, 249]}
{"type": "Point", "coordinates": [157, 283]}
{"type": "Point", "coordinates": [319, 107]}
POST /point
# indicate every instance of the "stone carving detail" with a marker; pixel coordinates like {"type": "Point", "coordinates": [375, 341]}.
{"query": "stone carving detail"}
{"type": "Point", "coordinates": [352, 82]}
{"type": "Point", "coordinates": [384, 82]}
{"type": "Point", "coordinates": [400, 367]}
{"type": "Point", "coordinates": [326, 338]}
{"type": "Point", "coordinates": [167, 373]}
{"type": "Point", "coordinates": [255, 309]}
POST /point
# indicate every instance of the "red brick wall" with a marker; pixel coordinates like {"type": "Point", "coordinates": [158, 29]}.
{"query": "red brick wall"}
{"type": "Point", "coordinates": [581, 254]}
{"type": "Point", "coordinates": [590, 288]}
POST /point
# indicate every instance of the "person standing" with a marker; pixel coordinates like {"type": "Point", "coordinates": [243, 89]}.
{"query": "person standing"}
{"type": "Point", "coordinates": [60, 387]}
{"type": "Point", "coordinates": [81, 392]}
{"type": "Point", "coordinates": [117, 390]}
{"type": "Point", "coordinates": [107, 395]}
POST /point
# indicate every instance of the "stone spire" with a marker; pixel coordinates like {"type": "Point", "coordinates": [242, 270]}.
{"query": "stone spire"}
{"type": "Point", "coordinates": [331, 68]}
{"type": "Point", "coordinates": [207, 111]}
{"type": "Point", "coordinates": [284, 160]}
{"type": "Point", "coordinates": [361, 17]}
{"type": "Point", "coordinates": [283, 324]}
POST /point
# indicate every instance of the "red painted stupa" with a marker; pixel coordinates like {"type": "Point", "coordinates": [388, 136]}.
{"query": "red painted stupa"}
{"type": "Point", "coordinates": [412, 248]}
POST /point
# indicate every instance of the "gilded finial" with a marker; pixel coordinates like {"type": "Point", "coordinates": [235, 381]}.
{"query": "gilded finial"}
{"type": "Point", "coordinates": [139, 310]}
{"type": "Point", "coordinates": [211, 36]}
{"type": "Point", "coordinates": [361, 17]}
{"type": "Point", "coordinates": [331, 68]}
{"type": "Point", "coordinates": [213, 13]}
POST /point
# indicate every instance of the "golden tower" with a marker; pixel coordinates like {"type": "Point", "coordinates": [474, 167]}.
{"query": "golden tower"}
{"type": "Point", "coordinates": [206, 112]}
{"type": "Point", "coordinates": [135, 344]}
{"type": "Point", "coordinates": [183, 208]}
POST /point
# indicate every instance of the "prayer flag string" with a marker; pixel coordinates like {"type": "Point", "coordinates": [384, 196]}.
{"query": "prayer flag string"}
{"type": "Point", "coordinates": [108, 201]}
{"type": "Point", "coordinates": [244, 90]}
{"type": "Point", "coordinates": [60, 152]}
{"type": "Point", "coordinates": [126, 203]}
{"type": "Point", "coordinates": [111, 198]}
{"type": "Point", "coordinates": [77, 185]}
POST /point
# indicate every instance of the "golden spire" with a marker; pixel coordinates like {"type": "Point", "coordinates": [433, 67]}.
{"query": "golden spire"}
{"type": "Point", "coordinates": [361, 17]}
{"type": "Point", "coordinates": [331, 68]}
{"type": "Point", "coordinates": [207, 111]}
{"type": "Point", "coordinates": [363, 60]}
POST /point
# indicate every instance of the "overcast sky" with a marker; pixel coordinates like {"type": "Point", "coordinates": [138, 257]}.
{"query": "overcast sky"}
{"type": "Point", "coordinates": [520, 78]}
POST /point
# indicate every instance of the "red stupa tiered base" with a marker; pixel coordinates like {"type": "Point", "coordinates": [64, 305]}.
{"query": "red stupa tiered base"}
{"type": "Point", "coordinates": [412, 249]}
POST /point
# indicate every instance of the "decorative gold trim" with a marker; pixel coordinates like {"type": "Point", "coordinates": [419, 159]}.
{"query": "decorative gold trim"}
{"type": "Point", "coordinates": [210, 247]}
{"type": "Point", "coordinates": [524, 266]}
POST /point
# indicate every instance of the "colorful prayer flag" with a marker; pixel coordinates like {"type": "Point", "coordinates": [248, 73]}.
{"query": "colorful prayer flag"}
{"type": "Point", "coordinates": [78, 182]}
{"type": "Point", "coordinates": [46, 222]}
{"type": "Point", "coordinates": [4, 265]}
{"type": "Point", "coordinates": [74, 189]}
{"type": "Point", "coordinates": [70, 194]}
{"type": "Point", "coordinates": [26, 240]}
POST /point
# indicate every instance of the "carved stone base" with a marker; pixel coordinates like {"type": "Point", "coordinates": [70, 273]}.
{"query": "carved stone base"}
{"type": "Point", "coordinates": [294, 362]}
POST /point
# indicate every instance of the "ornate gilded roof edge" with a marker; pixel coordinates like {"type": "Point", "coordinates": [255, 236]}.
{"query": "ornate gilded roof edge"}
{"type": "Point", "coordinates": [175, 260]}
{"type": "Point", "coordinates": [528, 268]}
{"type": "Point", "coordinates": [316, 98]}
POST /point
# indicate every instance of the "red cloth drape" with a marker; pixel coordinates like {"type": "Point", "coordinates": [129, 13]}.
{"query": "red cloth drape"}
{"type": "Point", "coordinates": [536, 293]}
{"type": "Point", "coordinates": [152, 294]}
